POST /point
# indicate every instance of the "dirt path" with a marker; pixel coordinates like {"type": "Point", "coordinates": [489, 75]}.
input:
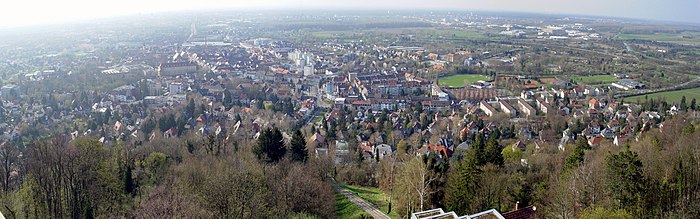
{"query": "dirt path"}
{"type": "Point", "coordinates": [364, 204]}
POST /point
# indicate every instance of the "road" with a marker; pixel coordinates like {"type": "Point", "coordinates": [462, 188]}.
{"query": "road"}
{"type": "Point", "coordinates": [368, 207]}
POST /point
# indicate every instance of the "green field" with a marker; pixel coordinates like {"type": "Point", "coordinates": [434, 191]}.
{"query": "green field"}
{"type": "Point", "coordinates": [594, 79]}
{"type": "Point", "coordinates": [670, 96]}
{"type": "Point", "coordinates": [680, 38]}
{"type": "Point", "coordinates": [459, 81]}
{"type": "Point", "coordinates": [344, 208]}
{"type": "Point", "coordinates": [373, 195]}
{"type": "Point", "coordinates": [453, 33]}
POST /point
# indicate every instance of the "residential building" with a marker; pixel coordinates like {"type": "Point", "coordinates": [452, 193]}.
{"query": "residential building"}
{"type": "Point", "coordinates": [487, 108]}
{"type": "Point", "coordinates": [507, 108]}
{"type": "Point", "coordinates": [526, 108]}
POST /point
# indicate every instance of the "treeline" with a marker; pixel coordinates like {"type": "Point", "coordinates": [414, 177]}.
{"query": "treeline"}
{"type": "Point", "coordinates": [189, 177]}
{"type": "Point", "coordinates": [655, 176]}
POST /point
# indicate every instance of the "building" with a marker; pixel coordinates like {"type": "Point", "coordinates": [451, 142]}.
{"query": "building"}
{"type": "Point", "coordinates": [529, 212]}
{"type": "Point", "coordinates": [176, 88]}
{"type": "Point", "coordinates": [543, 106]}
{"type": "Point", "coordinates": [629, 84]}
{"type": "Point", "coordinates": [526, 108]}
{"type": "Point", "coordinates": [176, 68]}
{"type": "Point", "coordinates": [155, 88]}
{"type": "Point", "coordinates": [309, 70]}
{"type": "Point", "coordinates": [487, 108]}
{"type": "Point", "coordinates": [507, 108]}
{"type": "Point", "coordinates": [9, 91]}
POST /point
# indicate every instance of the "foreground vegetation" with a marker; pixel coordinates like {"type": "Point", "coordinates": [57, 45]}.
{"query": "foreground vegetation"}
{"type": "Point", "coordinates": [345, 209]}
{"type": "Point", "coordinates": [374, 196]}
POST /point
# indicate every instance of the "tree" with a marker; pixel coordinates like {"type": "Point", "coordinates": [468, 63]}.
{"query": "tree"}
{"type": "Point", "coordinates": [298, 147]}
{"type": "Point", "coordinates": [415, 182]}
{"type": "Point", "coordinates": [576, 157]}
{"type": "Point", "coordinates": [189, 109]}
{"type": "Point", "coordinates": [9, 159]}
{"type": "Point", "coordinates": [626, 180]}
{"type": "Point", "coordinates": [402, 146]}
{"type": "Point", "coordinates": [493, 151]}
{"type": "Point", "coordinates": [462, 185]}
{"type": "Point", "coordinates": [693, 104]}
{"type": "Point", "coordinates": [270, 145]}
{"type": "Point", "coordinates": [684, 105]}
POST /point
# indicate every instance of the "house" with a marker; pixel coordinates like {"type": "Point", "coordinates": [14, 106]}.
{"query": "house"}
{"type": "Point", "coordinates": [170, 133]}
{"type": "Point", "coordinates": [487, 108]}
{"type": "Point", "coordinates": [317, 140]}
{"type": "Point", "coordinates": [528, 212]}
{"type": "Point", "coordinates": [384, 150]}
{"type": "Point", "coordinates": [470, 129]}
{"type": "Point", "coordinates": [543, 105]}
{"type": "Point", "coordinates": [526, 108]}
{"type": "Point", "coordinates": [593, 104]}
{"type": "Point", "coordinates": [620, 140]}
{"type": "Point", "coordinates": [595, 141]}
{"type": "Point", "coordinates": [440, 150]}
{"type": "Point", "coordinates": [507, 108]}
{"type": "Point", "coordinates": [519, 145]}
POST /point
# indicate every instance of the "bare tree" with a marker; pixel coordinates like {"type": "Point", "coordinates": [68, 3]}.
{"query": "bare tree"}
{"type": "Point", "coordinates": [417, 178]}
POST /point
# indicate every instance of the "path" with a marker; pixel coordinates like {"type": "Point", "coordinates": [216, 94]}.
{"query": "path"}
{"type": "Point", "coordinates": [364, 204]}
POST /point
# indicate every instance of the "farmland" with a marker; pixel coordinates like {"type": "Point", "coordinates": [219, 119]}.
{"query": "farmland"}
{"type": "Point", "coordinates": [689, 38]}
{"type": "Point", "coordinates": [669, 96]}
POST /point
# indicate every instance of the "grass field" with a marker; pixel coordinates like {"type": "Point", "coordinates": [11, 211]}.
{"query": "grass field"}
{"type": "Point", "coordinates": [692, 38]}
{"type": "Point", "coordinates": [459, 81]}
{"type": "Point", "coordinates": [670, 96]}
{"type": "Point", "coordinates": [375, 196]}
{"type": "Point", "coordinates": [453, 33]}
{"type": "Point", "coordinates": [594, 79]}
{"type": "Point", "coordinates": [345, 209]}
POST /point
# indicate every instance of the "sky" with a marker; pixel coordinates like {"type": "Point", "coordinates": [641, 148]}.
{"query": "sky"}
{"type": "Point", "coordinates": [31, 12]}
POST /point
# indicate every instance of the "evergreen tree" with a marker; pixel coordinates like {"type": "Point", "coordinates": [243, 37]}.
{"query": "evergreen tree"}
{"type": "Point", "coordinates": [626, 180]}
{"type": "Point", "coordinates": [298, 147]}
{"type": "Point", "coordinates": [189, 109]}
{"type": "Point", "coordinates": [693, 104]}
{"type": "Point", "coordinates": [684, 105]}
{"type": "Point", "coordinates": [270, 146]}
{"type": "Point", "coordinates": [493, 150]}
{"type": "Point", "coordinates": [477, 150]}
{"type": "Point", "coordinates": [462, 185]}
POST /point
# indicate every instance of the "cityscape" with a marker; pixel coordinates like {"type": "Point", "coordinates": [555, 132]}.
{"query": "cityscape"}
{"type": "Point", "coordinates": [407, 113]}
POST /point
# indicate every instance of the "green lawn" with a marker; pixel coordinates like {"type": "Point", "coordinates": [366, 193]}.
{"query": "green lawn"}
{"type": "Point", "coordinates": [344, 208]}
{"type": "Point", "coordinates": [670, 96]}
{"type": "Point", "coordinates": [375, 196]}
{"type": "Point", "coordinates": [594, 79]}
{"type": "Point", "coordinates": [459, 81]}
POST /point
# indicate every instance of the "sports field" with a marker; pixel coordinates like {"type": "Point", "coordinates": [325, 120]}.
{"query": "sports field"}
{"type": "Point", "coordinates": [459, 81]}
{"type": "Point", "coordinates": [594, 79]}
{"type": "Point", "coordinates": [670, 96]}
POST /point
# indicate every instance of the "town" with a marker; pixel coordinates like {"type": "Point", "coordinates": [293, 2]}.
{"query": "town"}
{"type": "Point", "coordinates": [391, 101]}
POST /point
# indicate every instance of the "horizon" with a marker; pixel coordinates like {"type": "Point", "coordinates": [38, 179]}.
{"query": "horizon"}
{"type": "Point", "coordinates": [77, 11]}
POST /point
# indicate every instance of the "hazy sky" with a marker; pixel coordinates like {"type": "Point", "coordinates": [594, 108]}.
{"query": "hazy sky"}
{"type": "Point", "coordinates": [26, 12]}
